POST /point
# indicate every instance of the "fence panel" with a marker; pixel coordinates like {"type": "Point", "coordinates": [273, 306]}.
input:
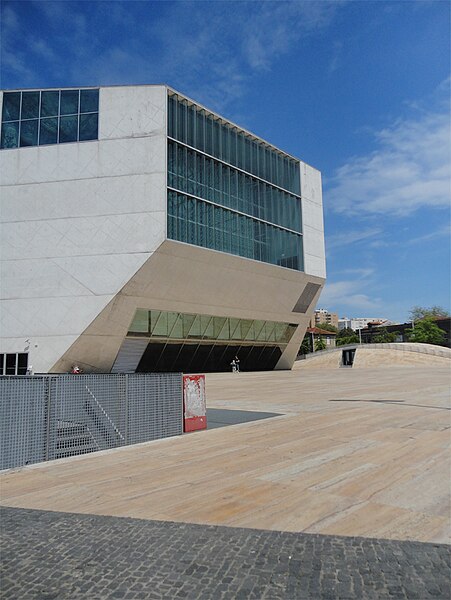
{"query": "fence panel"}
{"type": "Point", "coordinates": [56, 416]}
{"type": "Point", "coordinates": [23, 420]}
{"type": "Point", "coordinates": [154, 406]}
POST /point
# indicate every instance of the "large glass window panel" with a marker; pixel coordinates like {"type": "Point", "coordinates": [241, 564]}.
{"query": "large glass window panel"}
{"type": "Point", "coordinates": [200, 130]}
{"type": "Point", "coordinates": [225, 138]}
{"type": "Point", "coordinates": [50, 104]}
{"type": "Point", "coordinates": [68, 130]}
{"type": "Point", "coordinates": [259, 330]}
{"type": "Point", "coordinates": [172, 117]}
{"type": "Point", "coordinates": [10, 135]}
{"type": "Point", "coordinates": [217, 324]}
{"type": "Point", "coordinates": [161, 326]}
{"type": "Point", "coordinates": [247, 155]}
{"type": "Point", "coordinates": [140, 323]}
{"type": "Point", "coordinates": [195, 329]}
{"type": "Point", "coordinates": [181, 122]}
{"type": "Point", "coordinates": [48, 133]}
{"type": "Point", "coordinates": [175, 325]}
{"type": "Point", "coordinates": [30, 105]}
{"type": "Point", "coordinates": [29, 133]}
{"type": "Point", "coordinates": [232, 142]}
{"type": "Point", "coordinates": [69, 102]}
{"type": "Point", "coordinates": [216, 145]}
{"type": "Point", "coordinates": [206, 326]}
{"type": "Point", "coordinates": [208, 134]}
{"type": "Point", "coordinates": [191, 119]}
{"type": "Point", "coordinates": [89, 101]}
{"type": "Point", "coordinates": [172, 227]}
{"type": "Point", "coordinates": [11, 363]}
{"type": "Point", "coordinates": [187, 321]}
{"type": "Point", "coordinates": [11, 107]}
{"type": "Point", "coordinates": [250, 335]}
{"type": "Point", "coordinates": [269, 331]}
{"type": "Point", "coordinates": [224, 333]}
{"type": "Point", "coordinates": [235, 329]}
{"type": "Point", "coordinates": [89, 127]}
{"type": "Point", "coordinates": [154, 316]}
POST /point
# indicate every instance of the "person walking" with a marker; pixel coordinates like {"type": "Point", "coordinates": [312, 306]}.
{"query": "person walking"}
{"type": "Point", "coordinates": [233, 365]}
{"type": "Point", "coordinates": [237, 364]}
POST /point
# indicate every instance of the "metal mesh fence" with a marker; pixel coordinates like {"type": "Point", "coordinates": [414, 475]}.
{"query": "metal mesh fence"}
{"type": "Point", "coordinates": [55, 416]}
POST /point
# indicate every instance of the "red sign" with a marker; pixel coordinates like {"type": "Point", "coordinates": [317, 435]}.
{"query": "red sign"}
{"type": "Point", "coordinates": [194, 402]}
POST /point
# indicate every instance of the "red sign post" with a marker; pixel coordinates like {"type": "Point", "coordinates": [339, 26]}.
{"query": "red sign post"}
{"type": "Point", "coordinates": [194, 403]}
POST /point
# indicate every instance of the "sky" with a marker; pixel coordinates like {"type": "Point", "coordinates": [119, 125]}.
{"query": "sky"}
{"type": "Point", "coordinates": [359, 90]}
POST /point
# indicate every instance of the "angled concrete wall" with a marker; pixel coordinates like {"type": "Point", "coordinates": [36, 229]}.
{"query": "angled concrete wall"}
{"type": "Point", "coordinates": [183, 278]}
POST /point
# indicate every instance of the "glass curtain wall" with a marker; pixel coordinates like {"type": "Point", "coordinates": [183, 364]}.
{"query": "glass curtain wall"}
{"type": "Point", "coordinates": [195, 127]}
{"type": "Point", "coordinates": [184, 326]}
{"type": "Point", "coordinates": [196, 174]}
{"type": "Point", "coordinates": [204, 224]}
{"type": "Point", "coordinates": [40, 118]}
{"type": "Point", "coordinates": [215, 205]}
{"type": "Point", "coordinates": [204, 343]}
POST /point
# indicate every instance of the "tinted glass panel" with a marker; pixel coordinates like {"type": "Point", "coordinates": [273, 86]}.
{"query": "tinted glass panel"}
{"type": "Point", "coordinates": [222, 140]}
{"type": "Point", "coordinates": [69, 102]}
{"type": "Point", "coordinates": [11, 364]}
{"type": "Point", "coordinates": [11, 106]}
{"type": "Point", "coordinates": [49, 104]}
{"type": "Point", "coordinates": [192, 173]}
{"type": "Point", "coordinates": [48, 131]}
{"type": "Point", "coordinates": [22, 363]}
{"type": "Point", "coordinates": [45, 106]}
{"type": "Point", "coordinates": [29, 133]}
{"type": "Point", "coordinates": [89, 101]}
{"type": "Point", "coordinates": [68, 129]}
{"type": "Point", "coordinates": [30, 105]}
{"type": "Point", "coordinates": [88, 126]}
{"type": "Point", "coordinates": [10, 135]}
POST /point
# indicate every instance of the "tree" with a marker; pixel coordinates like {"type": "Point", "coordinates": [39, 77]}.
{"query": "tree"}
{"type": "Point", "coordinates": [422, 312]}
{"type": "Point", "coordinates": [306, 346]}
{"type": "Point", "coordinates": [346, 336]}
{"type": "Point", "coordinates": [319, 344]}
{"type": "Point", "coordinates": [384, 337]}
{"type": "Point", "coordinates": [327, 327]}
{"type": "Point", "coordinates": [426, 332]}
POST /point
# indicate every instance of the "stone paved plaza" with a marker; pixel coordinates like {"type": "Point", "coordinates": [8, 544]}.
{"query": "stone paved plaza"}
{"type": "Point", "coordinates": [62, 556]}
{"type": "Point", "coordinates": [344, 495]}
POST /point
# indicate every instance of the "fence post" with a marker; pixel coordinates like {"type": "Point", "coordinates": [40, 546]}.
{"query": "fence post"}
{"type": "Point", "coordinates": [47, 381]}
{"type": "Point", "coordinates": [126, 408]}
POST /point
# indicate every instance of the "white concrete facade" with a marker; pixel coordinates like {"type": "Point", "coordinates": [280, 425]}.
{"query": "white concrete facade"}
{"type": "Point", "coordinates": [81, 223]}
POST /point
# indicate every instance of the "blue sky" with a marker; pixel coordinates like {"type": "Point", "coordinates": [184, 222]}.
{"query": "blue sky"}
{"type": "Point", "coordinates": [360, 90]}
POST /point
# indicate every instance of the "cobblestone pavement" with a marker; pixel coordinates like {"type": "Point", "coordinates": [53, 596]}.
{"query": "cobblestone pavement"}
{"type": "Point", "coordinates": [59, 556]}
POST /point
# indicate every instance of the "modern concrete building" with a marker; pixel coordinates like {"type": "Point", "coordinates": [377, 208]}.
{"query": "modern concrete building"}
{"type": "Point", "coordinates": [142, 231]}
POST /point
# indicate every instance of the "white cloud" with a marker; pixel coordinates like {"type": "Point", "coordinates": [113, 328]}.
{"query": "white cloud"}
{"type": "Point", "coordinates": [410, 169]}
{"type": "Point", "coordinates": [350, 237]}
{"type": "Point", "coordinates": [209, 50]}
{"type": "Point", "coordinates": [441, 232]}
{"type": "Point", "coordinates": [348, 295]}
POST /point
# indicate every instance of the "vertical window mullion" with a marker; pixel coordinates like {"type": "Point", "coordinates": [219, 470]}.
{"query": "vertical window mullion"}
{"type": "Point", "coordinates": [58, 118]}
{"type": "Point", "coordinates": [78, 117]}
{"type": "Point", "coordinates": [39, 118]}
{"type": "Point", "coordinates": [20, 121]}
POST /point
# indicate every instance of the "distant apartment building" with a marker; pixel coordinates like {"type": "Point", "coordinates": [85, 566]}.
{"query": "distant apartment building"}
{"type": "Point", "coordinates": [357, 323]}
{"type": "Point", "coordinates": [321, 315]}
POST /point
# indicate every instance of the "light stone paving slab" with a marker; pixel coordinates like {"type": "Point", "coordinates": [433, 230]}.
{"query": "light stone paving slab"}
{"type": "Point", "coordinates": [357, 453]}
